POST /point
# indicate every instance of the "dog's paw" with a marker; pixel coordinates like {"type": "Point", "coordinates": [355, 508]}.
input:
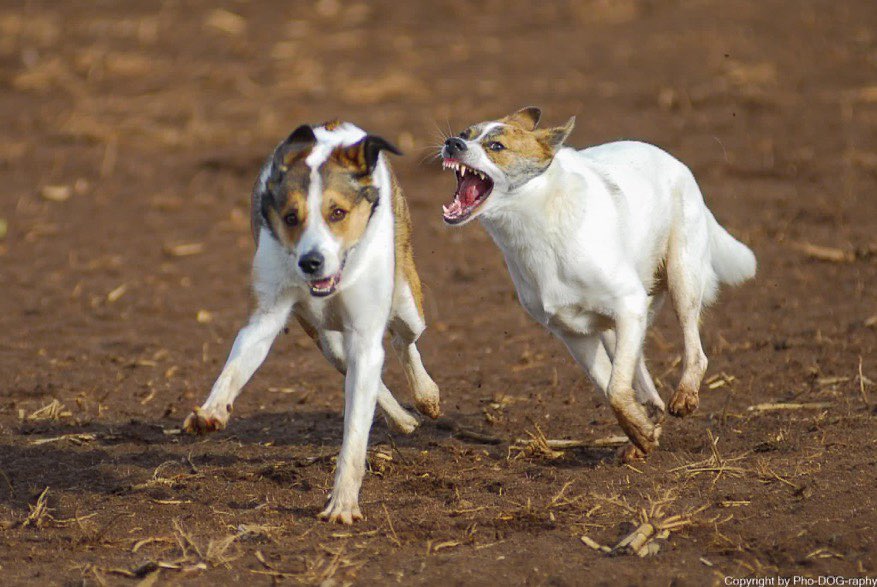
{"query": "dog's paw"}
{"type": "Point", "coordinates": [684, 402]}
{"type": "Point", "coordinates": [635, 422]}
{"type": "Point", "coordinates": [656, 412]}
{"type": "Point", "coordinates": [428, 407]}
{"type": "Point", "coordinates": [426, 399]}
{"type": "Point", "coordinates": [630, 453]}
{"type": "Point", "coordinates": [200, 422]}
{"type": "Point", "coordinates": [341, 511]}
{"type": "Point", "coordinates": [403, 423]}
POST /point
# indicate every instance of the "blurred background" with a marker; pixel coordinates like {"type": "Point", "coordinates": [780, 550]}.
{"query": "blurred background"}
{"type": "Point", "coordinates": [131, 134]}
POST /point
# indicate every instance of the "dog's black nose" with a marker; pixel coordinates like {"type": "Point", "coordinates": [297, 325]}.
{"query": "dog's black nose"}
{"type": "Point", "coordinates": [311, 262]}
{"type": "Point", "coordinates": [454, 145]}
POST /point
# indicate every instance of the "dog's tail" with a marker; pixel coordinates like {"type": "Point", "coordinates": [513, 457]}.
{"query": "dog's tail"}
{"type": "Point", "coordinates": [732, 261]}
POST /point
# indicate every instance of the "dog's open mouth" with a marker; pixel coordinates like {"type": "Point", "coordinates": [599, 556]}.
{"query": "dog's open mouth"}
{"type": "Point", "coordinates": [321, 288]}
{"type": "Point", "coordinates": [324, 287]}
{"type": "Point", "coordinates": [473, 188]}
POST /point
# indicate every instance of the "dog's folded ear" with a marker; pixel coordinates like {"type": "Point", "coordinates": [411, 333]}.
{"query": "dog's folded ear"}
{"type": "Point", "coordinates": [298, 143]}
{"type": "Point", "coordinates": [554, 137]}
{"type": "Point", "coordinates": [526, 118]}
{"type": "Point", "coordinates": [362, 157]}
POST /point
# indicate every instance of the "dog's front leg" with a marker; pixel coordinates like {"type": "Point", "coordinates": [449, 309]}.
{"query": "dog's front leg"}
{"type": "Point", "coordinates": [630, 332]}
{"type": "Point", "coordinates": [249, 350]}
{"type": "Point", "coordinates": [588, 352]}
{"type": "Point", "coordinates": [365, 359]}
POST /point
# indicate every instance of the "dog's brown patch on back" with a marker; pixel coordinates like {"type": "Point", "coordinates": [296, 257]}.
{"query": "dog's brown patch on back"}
{"type": "Point", "coordinates": [406, 271]}
{"type": "Point", "coordinates": [331, 125]}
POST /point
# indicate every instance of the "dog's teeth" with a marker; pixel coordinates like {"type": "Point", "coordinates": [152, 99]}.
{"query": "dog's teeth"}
{"type": "Point", "coordinates": [463, 171]}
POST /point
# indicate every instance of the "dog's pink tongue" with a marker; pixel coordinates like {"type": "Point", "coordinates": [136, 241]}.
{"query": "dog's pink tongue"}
{"type": "Point", "coordinates": [470, 189]}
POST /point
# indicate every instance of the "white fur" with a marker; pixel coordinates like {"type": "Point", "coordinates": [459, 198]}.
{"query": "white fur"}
{"type": "Point", "coordinates": [582, 242]}
{"type": "Point", "coordinates": [351, 323]}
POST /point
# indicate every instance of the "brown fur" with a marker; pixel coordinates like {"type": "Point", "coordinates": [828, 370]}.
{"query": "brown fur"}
{"type": "Point", "coordinates": [406, 272]}
{"type": "Point", "coordinates": [345, 193]}
{"type": "Point", "coordinates": [526, 118]}
{"type": "Point", "coordinates": [296, 201]}
{"type": "Point", "coordinates": [351, 157]}
{"type": "Point", "coordinates": [659, 280]}
{"type": "Point", "coordinates": [518, 143]}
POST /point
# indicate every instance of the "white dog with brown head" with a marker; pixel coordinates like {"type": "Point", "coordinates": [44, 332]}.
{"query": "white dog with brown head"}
{"type": "Point", "coordinates": [594, 240]}
{"type": "Point", "coordinates": [333, 247]}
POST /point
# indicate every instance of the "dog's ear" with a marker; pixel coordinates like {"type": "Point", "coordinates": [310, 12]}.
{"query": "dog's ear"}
{"type": "Point", "coordinates": [554, 137]}
{"type": "Point", "coordinates": [526, 118]}
{"type": "Point", "coordinates": [362, 157]}
{"type": "Point", "coordinates": [294, 146]}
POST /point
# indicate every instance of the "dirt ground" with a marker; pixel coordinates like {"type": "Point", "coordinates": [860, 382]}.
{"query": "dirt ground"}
{"type": "Point", "coordinates": [132, 133]}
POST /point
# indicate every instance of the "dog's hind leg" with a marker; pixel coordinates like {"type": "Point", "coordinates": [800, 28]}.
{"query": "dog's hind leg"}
{"type": "Point", "coordinates": [406, 326]}
{"type": "Point", "coordinates": [688, 286]}
{"type": "Point", "coordinates": [332, 345]}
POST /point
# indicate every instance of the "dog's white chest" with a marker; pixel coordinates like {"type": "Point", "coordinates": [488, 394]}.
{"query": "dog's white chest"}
{"type": "Point", "coordinates": [551, 302]}
{"type": "Point", "coordinates": [540, 270]}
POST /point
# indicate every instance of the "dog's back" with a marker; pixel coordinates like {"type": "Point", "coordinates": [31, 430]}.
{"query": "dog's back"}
{"type": "Point", "coordinates": [731, 261]}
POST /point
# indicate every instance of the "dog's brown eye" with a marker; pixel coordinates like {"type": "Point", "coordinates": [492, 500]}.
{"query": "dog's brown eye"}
{"type": "Point", "coordinates": [291, 219]}
{"type": "Point", "coordinates": [337, 215]}
{"type": "Point", "coordinates": [495, 146]}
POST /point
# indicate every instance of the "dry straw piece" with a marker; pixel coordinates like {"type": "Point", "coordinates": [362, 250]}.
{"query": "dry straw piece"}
{"type": "Point", "coordinates": [653, 528]}
{"type": "Point", "coordinates": [53, 411]}
{"type": "Point", "coordinates": [821, 253]}
{"type": "Point", "coordinates": [56, 193]}
{"type": "Point", "coordinates": [773, 407]}
{"type": "Point", "coordinates": [184, 250]}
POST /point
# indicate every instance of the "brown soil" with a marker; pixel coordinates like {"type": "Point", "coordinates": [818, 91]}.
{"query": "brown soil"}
{"type": "Point", "coordinates": [129, 132]}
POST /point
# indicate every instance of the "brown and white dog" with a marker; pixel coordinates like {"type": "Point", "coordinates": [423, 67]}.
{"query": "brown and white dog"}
{"type": "Point", "coordinates": [333, 247]}
{"type": "Point", "coordinates": [594, 241]}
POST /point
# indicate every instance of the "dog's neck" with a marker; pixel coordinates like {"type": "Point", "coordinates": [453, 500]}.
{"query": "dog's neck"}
{"type": "Point", "coordinates": [523, 207]}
